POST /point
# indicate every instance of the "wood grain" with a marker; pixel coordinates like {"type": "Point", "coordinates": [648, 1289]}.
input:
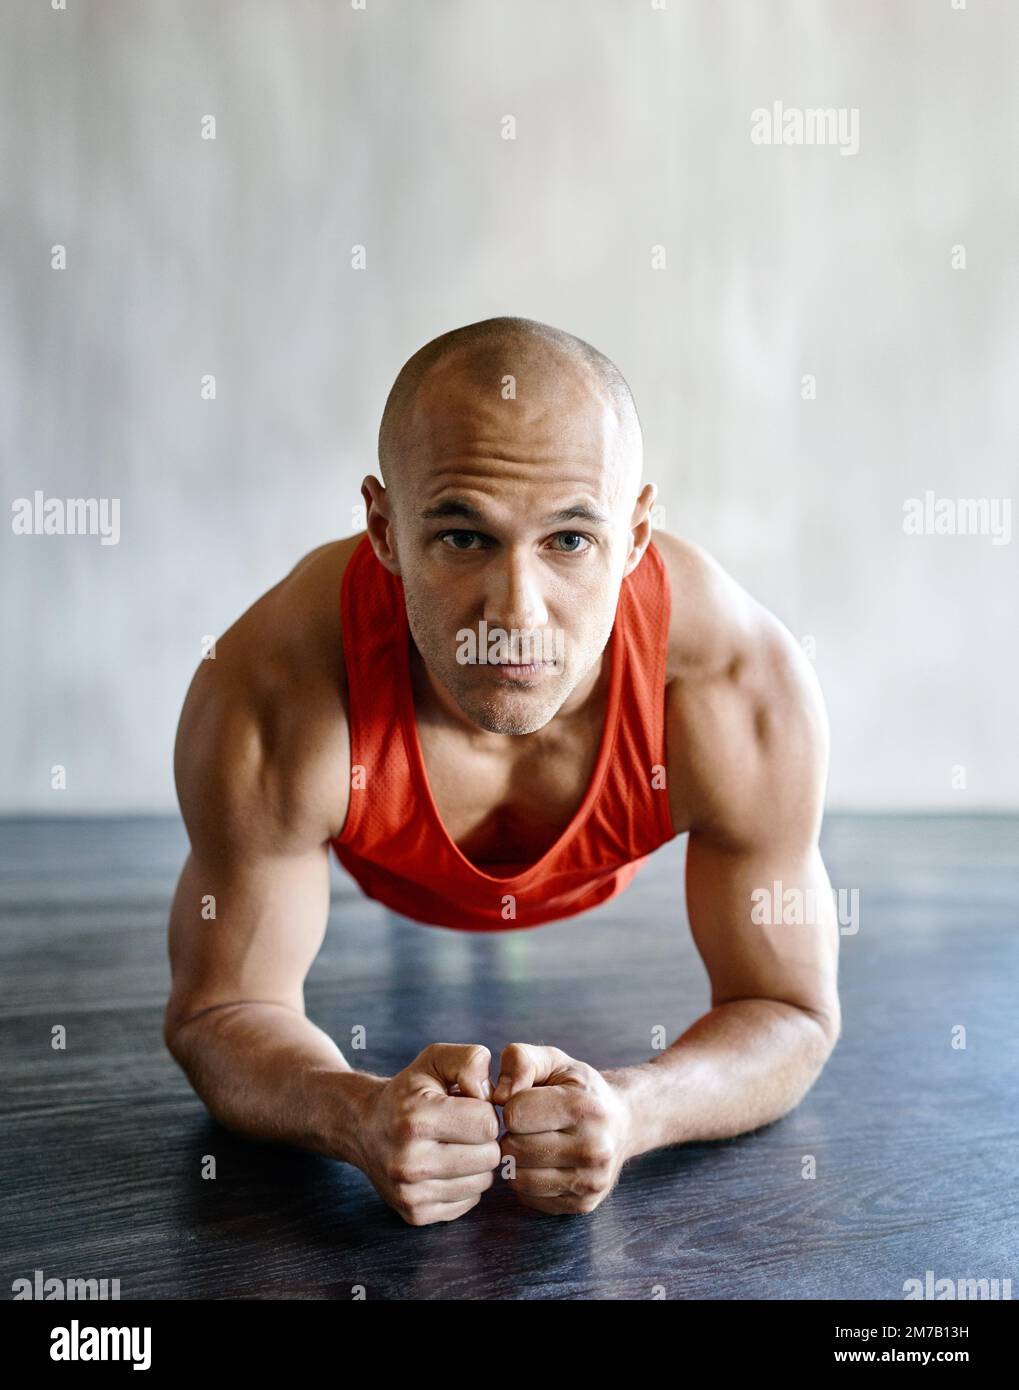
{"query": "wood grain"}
{"type": "Point", "coordinates": [916, 1143]}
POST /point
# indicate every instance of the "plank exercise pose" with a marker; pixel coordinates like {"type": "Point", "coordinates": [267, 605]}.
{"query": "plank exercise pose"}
{"type": "Point", "coordinates": [492, 704]}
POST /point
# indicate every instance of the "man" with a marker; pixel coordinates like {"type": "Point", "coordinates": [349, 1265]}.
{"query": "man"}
{"type": "Point", "coordinates": [397, 696]}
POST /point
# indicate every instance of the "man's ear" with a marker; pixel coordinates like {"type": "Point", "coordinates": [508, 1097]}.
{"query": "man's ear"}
{"type": "Point", "coordinates": [641, 527]}
{"type": "Point", "coordinates": [379, 523]}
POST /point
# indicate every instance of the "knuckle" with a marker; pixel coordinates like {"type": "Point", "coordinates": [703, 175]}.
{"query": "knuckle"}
{"type": "Point", "coordinates": [591, 1106]}
{"type": "Point", "coordinates": [468, 1206]}
{"type": "Point", "coordinates": [404, 1172]}
{"type": "Point", "coordinates": [408, 1124]}
{"type": "Point", "coordinates": [583, 1197]}
{"type": "Point", "coordinates": [401, 1203]}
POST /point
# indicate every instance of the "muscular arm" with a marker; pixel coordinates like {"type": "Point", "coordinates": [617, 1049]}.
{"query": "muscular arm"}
{"type": "Point", "coordinates": [260, 795]}
{"type": "Point", "coordinates": [755, 749]}
{"type": "Point", "coordinates": [259, 1064]}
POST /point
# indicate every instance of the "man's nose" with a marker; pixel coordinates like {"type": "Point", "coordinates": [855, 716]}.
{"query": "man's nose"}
{"type": "Point", "coordinates": [513, 597]}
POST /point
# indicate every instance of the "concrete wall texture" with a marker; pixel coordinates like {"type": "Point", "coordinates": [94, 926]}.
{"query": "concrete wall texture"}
{"type": "Point", "coordinates": [639, 206]}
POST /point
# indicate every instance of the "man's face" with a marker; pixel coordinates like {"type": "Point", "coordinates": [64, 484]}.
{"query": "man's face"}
{"type": "Point", "coordinates": [489, 566]}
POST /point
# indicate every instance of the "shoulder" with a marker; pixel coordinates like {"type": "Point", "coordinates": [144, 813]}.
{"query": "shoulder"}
{"type": "Point", "coordinates": [262, 750]}
{"type": "Point", "coordinates": [746, 726]}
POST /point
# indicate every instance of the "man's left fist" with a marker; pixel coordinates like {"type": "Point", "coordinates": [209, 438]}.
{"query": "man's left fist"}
{"type": "Point", "coordinates": [567, 1129]}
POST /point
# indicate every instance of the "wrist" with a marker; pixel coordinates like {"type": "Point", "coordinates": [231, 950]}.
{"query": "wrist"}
{"type": "Point", "coordinates": [640, 1090]}
{"type": "Point", "coordinates": [339, 1102]}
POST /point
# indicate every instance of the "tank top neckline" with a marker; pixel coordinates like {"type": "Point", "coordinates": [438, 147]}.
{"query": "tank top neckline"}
{"type": "Point", "coordinates": [419, 773]}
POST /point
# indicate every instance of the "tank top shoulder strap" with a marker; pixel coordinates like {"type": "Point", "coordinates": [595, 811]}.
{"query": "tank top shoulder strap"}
{"type": "Point", "coordinates": [371, 624]}
{"type": "Point", "coordinates": [646, 616]}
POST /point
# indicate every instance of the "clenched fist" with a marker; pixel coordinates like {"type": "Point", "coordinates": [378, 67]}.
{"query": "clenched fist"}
{"type": "Point", "coordinates": [429, 1153]}
{"type": "Point", "coordinates": [567, 1129]}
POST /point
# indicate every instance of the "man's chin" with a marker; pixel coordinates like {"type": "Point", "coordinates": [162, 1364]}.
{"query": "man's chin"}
{"type": "Point", "coordinates": [513, 714]}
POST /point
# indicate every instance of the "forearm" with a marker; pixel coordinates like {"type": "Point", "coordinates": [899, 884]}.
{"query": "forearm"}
{"type": "Point", "coordinates": [267, 1071]}
{"type": "Point", "coordinates": [741, 1065]}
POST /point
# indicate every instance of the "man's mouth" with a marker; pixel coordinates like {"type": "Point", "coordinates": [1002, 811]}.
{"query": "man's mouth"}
{"type": "Point", "coordinates": [516, 671]}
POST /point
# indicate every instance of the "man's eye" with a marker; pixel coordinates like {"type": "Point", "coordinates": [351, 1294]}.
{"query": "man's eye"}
{"type": "Point", "coordinates": [572, 541]}
{"type": "Point", "coordinates": [574, 536]}
{"type": "Point", "coordinates": [460, 535]}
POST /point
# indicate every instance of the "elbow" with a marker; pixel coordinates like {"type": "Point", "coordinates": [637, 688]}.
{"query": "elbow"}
{"type": "Point", "coordinates": [827, 1025]}
{"type": "Point", "coordinates": [831, 1022]}
{"type": "Point", "coordinates": [172, 1020]}
{"type": "Point", "coordinates": [169, 1033]}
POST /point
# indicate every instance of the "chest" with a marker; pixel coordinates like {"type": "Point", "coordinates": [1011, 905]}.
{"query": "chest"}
{"type": "Point", "coordinates": [501, 809]}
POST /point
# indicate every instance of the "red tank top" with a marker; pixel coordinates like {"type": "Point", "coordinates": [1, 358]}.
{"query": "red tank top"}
{"type": "Point", "coordinates": [393, 841]}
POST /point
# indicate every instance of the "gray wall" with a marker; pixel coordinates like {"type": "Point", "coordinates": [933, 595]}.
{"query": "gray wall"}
{"type": "Point", "coordinates": [381, 127]}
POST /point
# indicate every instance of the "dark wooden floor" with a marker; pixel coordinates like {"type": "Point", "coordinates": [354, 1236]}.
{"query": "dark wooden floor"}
{"type": "Point", "coordinates": [916, 1143]}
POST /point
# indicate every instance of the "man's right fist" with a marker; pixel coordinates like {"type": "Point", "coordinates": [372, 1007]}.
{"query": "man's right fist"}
{"type": "Point", "coordinates": [428, 1153]}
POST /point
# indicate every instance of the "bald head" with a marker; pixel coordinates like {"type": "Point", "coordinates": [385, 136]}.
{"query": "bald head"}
{"type": "Point", "coordinates": [511, 455]}
{"type": "Point", "coordinates": [498, 364]}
